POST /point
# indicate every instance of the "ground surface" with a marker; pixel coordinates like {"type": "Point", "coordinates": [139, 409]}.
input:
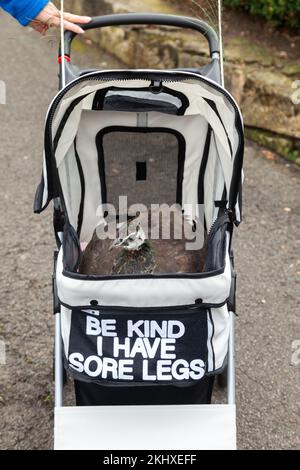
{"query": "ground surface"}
{"type": "Point", "coordinates": [268, 263]}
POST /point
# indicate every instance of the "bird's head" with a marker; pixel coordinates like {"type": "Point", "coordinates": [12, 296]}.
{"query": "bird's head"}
{"type": "Point", "coordinates": [133, 242]}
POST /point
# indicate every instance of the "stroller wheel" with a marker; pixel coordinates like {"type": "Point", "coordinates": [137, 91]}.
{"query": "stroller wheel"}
{"type": "Point", "coordinates": [222, 379]}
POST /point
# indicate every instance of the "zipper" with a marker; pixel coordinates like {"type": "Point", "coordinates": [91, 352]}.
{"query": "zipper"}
{"type": "Point", "coordinates": [176, 310]}
{"type": "Point", "coordinates": [136, 75]}
{"type": "Point", "coordinates": [225, 218]}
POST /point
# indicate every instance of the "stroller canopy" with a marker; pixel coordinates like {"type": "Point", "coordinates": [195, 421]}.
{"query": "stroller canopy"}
{"type": "Point", "coordinates": [99, 131]}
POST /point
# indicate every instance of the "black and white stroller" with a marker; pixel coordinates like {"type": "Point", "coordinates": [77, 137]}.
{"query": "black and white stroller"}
{"type": "Point", "coordinates": [144, 349]}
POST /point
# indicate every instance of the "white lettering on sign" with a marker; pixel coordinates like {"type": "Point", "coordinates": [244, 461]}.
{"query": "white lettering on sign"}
{"type": "Point", "coordinates": [100, 346]}
{"type": "Point", "coordinates": [143, 349]}
{"type": "Point", "coordinates": [120, 346]}
{"type": "Point", "coordinates": [76, 362]}
{"type": "Point", "coordinates": [96, 327]}
{"type": "Point", "coordinates": [151, 329]}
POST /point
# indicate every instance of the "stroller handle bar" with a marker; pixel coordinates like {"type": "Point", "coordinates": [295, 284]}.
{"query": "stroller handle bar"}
{"type": "Point", "coordinates": [128, 19]}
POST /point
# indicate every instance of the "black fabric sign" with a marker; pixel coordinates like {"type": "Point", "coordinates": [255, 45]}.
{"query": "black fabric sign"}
{"type": "Point", "coordinates": [148, 347]}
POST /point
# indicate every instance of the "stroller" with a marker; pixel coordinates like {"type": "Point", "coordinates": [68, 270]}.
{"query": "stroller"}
{"type": "Point", "coordinates": [144, 349]}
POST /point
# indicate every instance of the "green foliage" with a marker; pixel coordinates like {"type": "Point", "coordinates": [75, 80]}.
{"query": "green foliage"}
{"type": "Point", "coordinates": [283, 12]}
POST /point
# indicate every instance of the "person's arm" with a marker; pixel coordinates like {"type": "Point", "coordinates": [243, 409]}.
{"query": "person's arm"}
{"type": "Point", "coordinates": [23, 10]}
{"type": "Point", "coordinates": [41, 15]}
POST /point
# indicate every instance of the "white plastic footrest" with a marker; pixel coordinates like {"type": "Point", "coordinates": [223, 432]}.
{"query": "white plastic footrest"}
{"type": "Point", "coordinates": [183, 427]}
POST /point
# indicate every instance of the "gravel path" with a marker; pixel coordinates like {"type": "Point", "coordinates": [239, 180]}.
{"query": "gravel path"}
{"type": "Point", "coordinates": [268, 263]}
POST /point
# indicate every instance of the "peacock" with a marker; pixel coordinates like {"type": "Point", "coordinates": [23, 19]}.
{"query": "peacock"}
{"type": "Point", "coordinates": [135, 253]}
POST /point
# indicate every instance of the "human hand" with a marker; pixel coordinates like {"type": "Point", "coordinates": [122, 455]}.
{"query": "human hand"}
{"type": "Point", "coordinates": [50, 17]}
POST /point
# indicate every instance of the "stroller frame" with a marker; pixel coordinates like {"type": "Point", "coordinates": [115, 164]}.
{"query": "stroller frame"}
{"type": "Point", "coordinates": [201, 415]}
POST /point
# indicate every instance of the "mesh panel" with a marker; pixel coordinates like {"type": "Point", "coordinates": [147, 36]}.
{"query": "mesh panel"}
{"type": "Point", "coordinates": [146, 166]}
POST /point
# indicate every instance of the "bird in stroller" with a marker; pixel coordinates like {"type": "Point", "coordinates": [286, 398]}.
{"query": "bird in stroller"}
{"type": "Point", "coordinates": [130, 254]}
{"type": "Point", "coordinates": [137, 251]}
